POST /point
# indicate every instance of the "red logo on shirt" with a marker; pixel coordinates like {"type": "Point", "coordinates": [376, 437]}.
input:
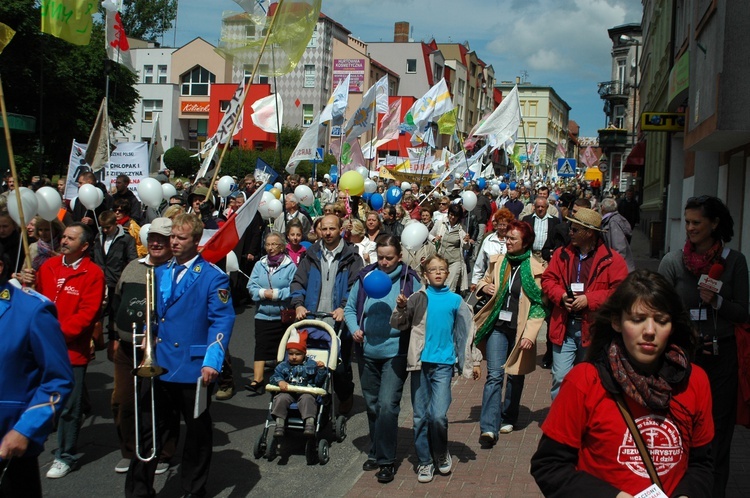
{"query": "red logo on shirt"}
{"type": "Point", "coordinates": [663, 441]}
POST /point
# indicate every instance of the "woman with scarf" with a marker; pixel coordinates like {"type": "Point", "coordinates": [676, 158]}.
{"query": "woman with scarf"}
{"type": "Point", "coordinates": [121, 207]}
{"type": "Point", "coordinates": [507, 327]}
{"type": "Point", "coordinates": [715, 311]}
{"type": "Point", "coordinates": [269, 287]}
{"type": "Point", "coordinates": [47, 243]}
{"type": "Point", "coordinates": [638, 369]}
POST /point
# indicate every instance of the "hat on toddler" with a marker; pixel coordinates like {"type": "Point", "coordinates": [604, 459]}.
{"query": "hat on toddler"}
{"type": "Point", "coordinates": [297, 340]}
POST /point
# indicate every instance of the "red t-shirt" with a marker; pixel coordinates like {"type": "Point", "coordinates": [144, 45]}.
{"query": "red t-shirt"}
{"type": "Point", "coordinates": [586, 417]}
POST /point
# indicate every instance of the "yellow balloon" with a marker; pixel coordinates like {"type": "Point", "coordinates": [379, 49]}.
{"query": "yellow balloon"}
{"type": "Point", "coordinates": [276, 192]}
{"type": "Point", "coordinates": [353, 182]}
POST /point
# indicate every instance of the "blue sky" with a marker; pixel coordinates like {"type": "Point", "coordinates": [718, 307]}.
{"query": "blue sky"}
{"type": "Point", "coordinates": [561, 43]}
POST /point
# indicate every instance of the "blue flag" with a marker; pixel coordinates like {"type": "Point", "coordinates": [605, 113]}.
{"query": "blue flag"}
{"type": "Point", "coordinates": [263, 167]}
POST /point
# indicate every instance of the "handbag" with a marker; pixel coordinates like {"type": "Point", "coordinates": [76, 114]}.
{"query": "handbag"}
{"type": "Point", "coordinates": [638, 440]}
{"type": "Point", "coordinates": [288, 316]}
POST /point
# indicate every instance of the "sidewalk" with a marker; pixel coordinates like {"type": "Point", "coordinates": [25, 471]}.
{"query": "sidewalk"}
{"type": "Point", "coordinates": [503, 471]}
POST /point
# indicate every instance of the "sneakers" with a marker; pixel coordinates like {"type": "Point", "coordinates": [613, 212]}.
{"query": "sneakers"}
{"type": "Point", "coordinates": [122, 466]}
{"type": "Point", "coordinates": [59, 469]}
{"type": "Point", "coordinates": [445, 463]}
{"type": "Point", "coordinates": [425, 473]}
{"type": "Point", "coordinates": [161, 467]}
{"type": "Point", "coordinates": [487, 439]}
{"type": "Point", "coordinates": [309, 427]}
{"type": "Point", "coordinates": [386, 474]}
{"type": "Point", "coordinates": [506, 429]}
{"type": "Point", "coordinates": [225, 392]}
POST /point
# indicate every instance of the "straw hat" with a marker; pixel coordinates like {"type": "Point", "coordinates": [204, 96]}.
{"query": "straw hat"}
{"type": "Point", "coordinates": [587, 218]}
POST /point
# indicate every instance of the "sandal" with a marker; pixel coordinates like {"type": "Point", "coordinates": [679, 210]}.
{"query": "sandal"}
{"type": "Point", "coordinates": [256, 387]}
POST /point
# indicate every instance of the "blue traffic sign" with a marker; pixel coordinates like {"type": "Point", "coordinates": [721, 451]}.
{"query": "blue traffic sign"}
{"type": "Point", "coordinates": [566, 167]}
{"type": "Point", "coordinates": [318, 155]}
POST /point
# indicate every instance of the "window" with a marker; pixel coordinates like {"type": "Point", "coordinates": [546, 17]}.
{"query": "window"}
{"type": "Point", "coordinates": [307, 115]}
{"type": "Point", "coordinates": [313, 39]}
{"type": "Point", "coordinates": [248, 71]}
{"type": "Point", "coordinates": [459, 113]}
{"type": "Point", "coordinates": [621, 75]}
{"type": "Point", "coordinates": [471, 93]}
{"type": "Point", "coordinates": [619, 116]}
{"type": "Point", "coordinates": [148, 73]}
{"type": "Point", "coordinates": [263, 74]}
{"type": "Point", "coordinates": [532, 108]}
{"type": "Point", "coordinates": [162, 74]}
{"type": "Point", "coordinates": [150, 107]}
{"type": "Point", "coordinates": [532, 130]}
{"type": "Point", "coordinates": [250, 31]}
{"type": "Point", "coordinates": [411, 65]}
{"type": "Point", "coordinates": [223, 106]}
{"type": "Point", "coordinates": [471, 118]}
{"type": "Point", "coordinates": [197, 81]}
{"type": "Point", "coordinates": [309, 76]}
{"type": "Point", "coordinates": [438, 72]}
{"type": "Point", "coordinates": [461, 86]}
{"type": "Point", "coordinates": [325, 78]}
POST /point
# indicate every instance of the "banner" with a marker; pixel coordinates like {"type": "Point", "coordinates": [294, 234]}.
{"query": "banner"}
{"type": "Point", "coordinates": [76, 166]}
{"type": "Point", "coordinates": [233, 111]}
{"type": "Point", "coordinates": [131, 159]}
{"type": "Point", "coordinates": [70, 20]}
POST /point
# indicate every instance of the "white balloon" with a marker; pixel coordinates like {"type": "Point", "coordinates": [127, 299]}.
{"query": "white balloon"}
{"type": "Point", "coordinates": [224, 185]}
{"type": "Point", "coordinates": [470, 200]}
{"type": "Point", "coordinates": [265, 200]}
{"type": "Point", "coordinates": [168, 190]}
{"type": "Point", "coordinates": [28, 203]}
{"type": "Point", "coordinates": [275, 208]}
{"type": "Point", "coordinates": [364, 172]}
{"type": "Point", "coordinates": [49, 203]}
{"type": "Point", "coordinates": [405, 186]}
{"type": "Point", "coordinates": [495, 189]}
{"type": "Point", "coordinates": [232, 263]}
{"type": "Point", "coordinates": [150, 192]}
{"type": "Point", "coordinates": [414, 235]}
{"type": "Point", "coordinates": [143, 234]}
{"type": "Point", "coordinates": [370, 186]}
{"type": "Point", "coordinates": [99, 197]}
{"type": "Point", "coordinates": [87, 194]}
{"type": "Point", "coordinates": [279, 186]}
{"type": "Point", "coordinates": [304, 195]}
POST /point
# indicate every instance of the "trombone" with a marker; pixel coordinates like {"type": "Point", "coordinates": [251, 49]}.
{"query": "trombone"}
{"type": "Point", "coordinates": [147, 369]}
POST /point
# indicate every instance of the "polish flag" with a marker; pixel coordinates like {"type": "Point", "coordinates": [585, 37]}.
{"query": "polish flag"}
{"type": "Point", "coordinates": [228, 236]}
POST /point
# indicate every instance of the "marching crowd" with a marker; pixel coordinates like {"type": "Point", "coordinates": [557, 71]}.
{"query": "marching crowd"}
{"type": "Point", "coordinates": [634, 355]}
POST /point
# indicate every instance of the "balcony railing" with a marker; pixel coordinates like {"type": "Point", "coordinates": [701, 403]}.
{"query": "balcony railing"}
{"type": "Point", "coordinates": [612, 137]}
{"type": "Point", "coordinates": [608, 89]}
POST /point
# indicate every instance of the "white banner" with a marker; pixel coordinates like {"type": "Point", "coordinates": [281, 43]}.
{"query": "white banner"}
{"type": "Point", "coordinates": [131, 159]}
{"type": "Point", "coordinates": [76, 166]}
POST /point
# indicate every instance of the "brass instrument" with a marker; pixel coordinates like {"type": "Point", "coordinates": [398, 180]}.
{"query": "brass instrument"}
{"type": "Point", "coordinates": [147, 369]}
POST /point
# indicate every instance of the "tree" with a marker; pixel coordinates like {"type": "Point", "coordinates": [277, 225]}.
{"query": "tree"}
{"type": "Point", "coordinates": [180, 161]}
{"type": "Point", "coordinates": [148, 19]}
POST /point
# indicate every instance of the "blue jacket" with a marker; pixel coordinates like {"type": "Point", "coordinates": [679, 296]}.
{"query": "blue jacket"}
{"type": "Point", "coordinates": [195, 320]}
{"type": "Point", "coordinates": [279, 281]}
{"type": "Point", "coordinates": [37, 377]}
{"type": "Point", "coordinates": [307, 374]}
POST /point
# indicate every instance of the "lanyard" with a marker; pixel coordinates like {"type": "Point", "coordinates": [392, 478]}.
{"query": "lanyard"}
{"type": "Point", "coordinates": [510, 285]}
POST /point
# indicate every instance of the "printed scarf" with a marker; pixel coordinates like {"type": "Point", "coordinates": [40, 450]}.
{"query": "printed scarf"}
{"type": "Point", "coordinates": [275, 261]}
{"type": "Point", "coordinates": [699, 264]}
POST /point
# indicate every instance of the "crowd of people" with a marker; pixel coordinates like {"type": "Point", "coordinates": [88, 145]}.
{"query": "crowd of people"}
{"type": "Point", "coordinates": [476, 292]}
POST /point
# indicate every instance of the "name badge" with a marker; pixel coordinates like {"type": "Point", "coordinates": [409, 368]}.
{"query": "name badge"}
{"type": "Point", "coordinates": [698, 314]}
{"type": "Point", "coordinates": [577, 287]}
{"type": "Point", "coordinates": [505, 316]}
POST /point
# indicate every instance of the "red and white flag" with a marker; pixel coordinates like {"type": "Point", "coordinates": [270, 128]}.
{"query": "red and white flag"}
{"type": "Point", "coordinates": [118, 48]}
{"type": "Point", "coordinates": [230, 233]}
{"type": "Point", "coordinates": [389, 124]}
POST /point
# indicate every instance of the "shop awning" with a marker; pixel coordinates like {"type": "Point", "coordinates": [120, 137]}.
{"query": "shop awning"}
{"type": "Point", "coordinates": [592, 174]}
{"type": "Point", "coordinates": [636, 158]}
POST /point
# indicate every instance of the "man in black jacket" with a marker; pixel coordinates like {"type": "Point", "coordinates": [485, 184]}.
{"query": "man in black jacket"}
{"type": "Point", "coordinates": [123, 192]}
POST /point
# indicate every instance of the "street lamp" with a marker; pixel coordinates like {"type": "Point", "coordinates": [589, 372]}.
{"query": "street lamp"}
{"type": "Point", "coordinates": [632, 41]}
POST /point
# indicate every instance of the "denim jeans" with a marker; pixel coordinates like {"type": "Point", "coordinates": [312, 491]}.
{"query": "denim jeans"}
{"type": "Point", "coordinates": [493, 415]}
{"type": "Point", "coordinates": [430, 399]}
{"type": "Point", "coordinates": [382, 386]}
{"type": "Point", "coordinates": [567, 355]}
{"type": "Point", "coordinates": [70, 420]}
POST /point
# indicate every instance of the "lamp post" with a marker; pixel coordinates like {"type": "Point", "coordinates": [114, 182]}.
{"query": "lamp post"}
{"type": "Point", "coordinates": [632, 41]}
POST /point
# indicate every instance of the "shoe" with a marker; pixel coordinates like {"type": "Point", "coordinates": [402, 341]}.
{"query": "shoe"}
{"type": "Point", "coordinates": [385, 474]}
{"type": "Point", "coordinates": [59, 469]}
{"type": "Point", "coordinates": [370, 465]}
{"type": "Point", "coordinates": [346, 406]}
{"type": "Point", "coordinates": [445, 463]}
{"type": "Point", "coordinates": [280, 428]}
{"type": "Point", "coordinates": [425, 473]}
{"type": "Point", "coordinates": [506, 429]}
{"type": "Point", "coordinates": [255, 387]}
{"type": "Point", "coordinates": [547, 362]}
{"type": "Point", "coordinates": [122, 466]}
{"type": "Point", "coordinates": [161, 467]}
{"type": "Point", "coordinates": [225, 393]}
{"type": "Point", "coordinates": [487, 439]}
{"type": "Point", "coordinates": [309, 427]}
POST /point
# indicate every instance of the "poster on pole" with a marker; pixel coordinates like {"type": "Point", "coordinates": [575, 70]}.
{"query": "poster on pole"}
{"type": "Point", "coordinates": [76, 166]}
{"type": "Point", "coordinates": [131, 159]}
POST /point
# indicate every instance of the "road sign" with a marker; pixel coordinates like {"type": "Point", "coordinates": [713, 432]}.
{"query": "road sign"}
{"type": "Point", "coordinates": [603, 166]}
{"type": "Point", "coordinates": [566, 167]}
{"type": "Point", "coordinates": [318, 155]}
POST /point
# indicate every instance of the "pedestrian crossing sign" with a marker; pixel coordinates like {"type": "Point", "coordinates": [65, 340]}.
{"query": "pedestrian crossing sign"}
{"type": "Point", "coordinates": [566, 167]}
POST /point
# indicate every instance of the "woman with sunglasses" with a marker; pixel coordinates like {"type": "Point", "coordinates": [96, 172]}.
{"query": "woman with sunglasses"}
{"type": "Point", "coordinates": [121, 208]}
{"type": "Point", "coordinates": [442, 212]}
{"type": "Point", "coordinates": [712, 281]}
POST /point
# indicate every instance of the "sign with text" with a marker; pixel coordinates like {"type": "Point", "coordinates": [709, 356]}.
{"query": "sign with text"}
{"type": "Point", "coordinates": [192, 106]}
{"type": "Point", "coordinates": [663, 121]}
{"type": "Point", "coordinates": [355, 68]}
{"type": "Point", "coordinates": [130, 159]}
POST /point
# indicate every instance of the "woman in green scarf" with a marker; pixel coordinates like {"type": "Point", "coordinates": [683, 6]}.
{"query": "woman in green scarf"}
{"type": "Point", "coordinates": [507, 329]}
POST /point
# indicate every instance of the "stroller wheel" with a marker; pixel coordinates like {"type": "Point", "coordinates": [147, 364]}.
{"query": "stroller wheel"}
{"type": "Point", "coordinates": [323, 452]}
{"type": "Point", "coordinates": [260, 446]}
{"type": "Point", "coordinates": [311, 453]}
{"type": "Point", "coordinates": [273, 448]}
{"type": "Point", "coordinates": [339, 428]}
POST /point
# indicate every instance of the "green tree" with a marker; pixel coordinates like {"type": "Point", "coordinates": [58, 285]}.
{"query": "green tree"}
{"type": "Point", "coordinates": [148, 19]}
{"type": "Point", "coordinates": [180, 161]}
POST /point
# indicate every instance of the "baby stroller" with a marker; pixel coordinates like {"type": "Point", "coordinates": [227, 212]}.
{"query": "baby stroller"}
{"type": "Point", "coordinates": [322, 345]}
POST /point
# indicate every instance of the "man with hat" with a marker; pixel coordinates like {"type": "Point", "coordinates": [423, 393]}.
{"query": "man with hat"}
{"type": "Point", "coordinates": [203, 207]}
{"type": "Point", "coordinates": [579, 278]}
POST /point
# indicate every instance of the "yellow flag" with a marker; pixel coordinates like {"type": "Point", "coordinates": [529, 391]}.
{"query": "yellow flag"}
{"type": "Point", "coordinates": [70, 20]}
{"type": "Point", "coordinates": [292, 32]}
{"type": "Point", "coordinates": [447, 123]}
{"type": "Point", "coordinates": [6, 33]}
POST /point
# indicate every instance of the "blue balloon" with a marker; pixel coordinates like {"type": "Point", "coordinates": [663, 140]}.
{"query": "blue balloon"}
{"type": "Point", "coordinates": [513, 185]}
{"type": "Point", "coordinates": [507, 175]}
{"type": "Point", "coordinates": [377, 284]}
{"type": "Point", "coordinates": [306, 244]}
{"type": "Point", "coordinates": [394, 195]}
{"type": "Point", "coordinates": [482, 183]}
{"type": "Point", "coordinates": [376, 202]}
{"type": "Point", "coordinates": [503, 186]}
{"type": "Point", "coordinates": [269, 187]}
{"type": "Point", "coordinates": [366, 196]}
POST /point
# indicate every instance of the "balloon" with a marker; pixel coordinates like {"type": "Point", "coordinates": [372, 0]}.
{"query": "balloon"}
{"type": "Point", "coordinates": [48, 203]}
{"type": "Point", "coordinates": [232, 264]}
{"type": "Point", "coordinates": [168, 190]}
{"type": "Point", "coordinates": [527, 184]}
{"type": "Point", "coordinates": [370, 186]}
{"type": "Point", "coordinates": [28, 203]}
{"type": "Point", "coordinates": [376, 202]}
{"type": "Point", "coordinates": [99, 197]}
{"type": "Point", "coordinates": [394, 195]}
{"type": "Point", "coordinates": [503, 186]}
{"type": "Point", "coordinates": [364, 172]}
{"type": "Point", "coordinates": [224, 185]}
{"type": "Point", "coordinates": [150, 192]}
{"type": "Point", "coordinates": [276, 192]}
{"type": "Point", "coordinates": [353, 182]}
{"type": "Point", "coordinates": [87, 195]}
{"type": "Point", "coordinates": [482, 183]}
{"type": "Point", "coordinates": [275, 208]}
{"type": "Point", "coordinates": [513, 185]}
{"type": "Point", "coordinates": [265, 200]}
{"type": "Point", "coordinates": [470, 200]}
{"type": "Point", "coordinates": [306, 244]}
{"type": "Point", "coordinates": [495, 189]}
{"type": "Point", "coordinates": [366, 196]}
{"type": "Point", "coordinates": [268, 187]}
{"type": "Point", "coordinates": [377, 284]}
{"type": "Point", "coordinates": [143, 234]}
{"type": "Point", "coordinates": [414, 235]}
{"type": "Point", "coordinates": [305, 195]}
{"type": "Point", "coordinates": [405, 186]}
{"type": "Point", "coordinates": [278, 185]}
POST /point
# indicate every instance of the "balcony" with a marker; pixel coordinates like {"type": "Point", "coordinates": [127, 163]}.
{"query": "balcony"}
{"type": "Point", "coordinates": [613, 137]}
{"type": "Point", "coordinates": [613, 89]}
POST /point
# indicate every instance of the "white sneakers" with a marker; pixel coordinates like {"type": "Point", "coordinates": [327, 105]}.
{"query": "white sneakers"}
{"type": "Point", "coordinates": [506, 429]}
{"type": "Point", "coordinates": [122, 466]}
{"type": "Point", "coordinates": [59, 469]}
{"type": "Point", "coordinates": [445, 464]}
{"type": "Point", "coordinates": [425, 473]}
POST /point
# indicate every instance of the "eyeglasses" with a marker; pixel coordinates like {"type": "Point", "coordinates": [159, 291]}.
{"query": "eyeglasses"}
{"type": "Point", "coordinates": [698, 200]}
{"type": "Point", "coordinates": [117, 210]}
{"type": "Point", "coordinates": [274, 244]}
{"type": "Point", "coordinates": [576, 229]}
{"type": "Point", "coordinates": [432, 271]}
{"type": "Point", "coordinates": [444, 203]}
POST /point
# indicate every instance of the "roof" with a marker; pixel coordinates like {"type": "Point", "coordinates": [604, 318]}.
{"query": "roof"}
{"type": "Point", "coordinates": [528, 86]}
{"type": "Point", "coordinates": [383, 68]}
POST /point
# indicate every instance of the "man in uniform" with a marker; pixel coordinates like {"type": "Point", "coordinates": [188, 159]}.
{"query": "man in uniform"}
{"type": "Point", "coordinates": [35, 386]}
{"type": "Point", "coordinates": [195, 318]}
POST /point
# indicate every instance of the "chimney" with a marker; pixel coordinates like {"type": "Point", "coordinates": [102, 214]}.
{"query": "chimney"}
{"type": "Point", "coordinates": [518, 80]}
{"type": "Point", "coordinates": [401, 32]}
